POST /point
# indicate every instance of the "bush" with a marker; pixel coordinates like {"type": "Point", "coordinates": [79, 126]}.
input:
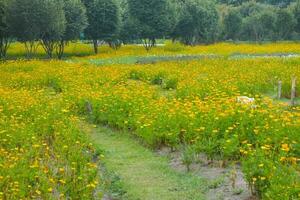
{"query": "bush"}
{"type": "Point", "coordinates": [137, 75]}
{"type": "Point", "coordinates": [158, 79]}
{"type": "Point", "coordinates": [170, 84]}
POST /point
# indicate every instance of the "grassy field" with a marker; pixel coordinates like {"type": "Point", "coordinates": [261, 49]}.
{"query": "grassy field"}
{"type": "Point", "coordinates": [173, 102]}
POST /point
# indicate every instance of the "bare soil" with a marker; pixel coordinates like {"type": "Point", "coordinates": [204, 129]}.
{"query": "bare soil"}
{"type": "Point", "coordinates": [223, 183]}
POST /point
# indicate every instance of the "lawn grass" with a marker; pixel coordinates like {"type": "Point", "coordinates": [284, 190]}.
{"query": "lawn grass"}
{"type": "Point", "coordinates": [144, 175]}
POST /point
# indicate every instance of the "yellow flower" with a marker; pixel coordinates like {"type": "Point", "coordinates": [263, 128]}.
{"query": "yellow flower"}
{"type": "Point", "coordinates": [282, 159]}
{"type": "Point", "coordinates": [91, 185]}
{"type": "Point", "coordinates": [285, 147]}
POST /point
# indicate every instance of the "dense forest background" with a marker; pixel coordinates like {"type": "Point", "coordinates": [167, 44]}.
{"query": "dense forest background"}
{"type": "Point", "coordinates": [54, 23]}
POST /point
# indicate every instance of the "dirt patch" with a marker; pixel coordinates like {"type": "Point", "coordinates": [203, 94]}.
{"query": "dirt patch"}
{"type": "Point", "coordinates": [222, 183]}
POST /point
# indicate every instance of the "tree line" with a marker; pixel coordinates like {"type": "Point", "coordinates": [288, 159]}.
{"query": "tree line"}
{"type": "Point", "coordinates": [54, 23]}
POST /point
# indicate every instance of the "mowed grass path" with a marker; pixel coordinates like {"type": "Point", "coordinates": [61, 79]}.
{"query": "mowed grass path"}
{"type": "Point", "coordinates": [144, 174]}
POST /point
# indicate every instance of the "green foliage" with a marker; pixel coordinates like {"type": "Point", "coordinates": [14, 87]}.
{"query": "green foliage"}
{"type": "Point", "coordinates": [267, 20]}
{"type": "Point", "coordinates": [273, 2]}
{"type": "Point", "coordinates": [103, 19]}
{"type": "Point", "coordinates": [53, 24]}
{"type": "Point", "coordinates": [170, 84]}
{"type": "Point", "coordinates": [251, 28]}
{"type": "Point", "coordinates": [76, 19]}
{"type": "Point", "coordinates": [154, 19]}
{"type": "Point", "coordinates": [232, 24]}
{"type": "Point", "coordinates": [137, 75]}
{"type": "Point", "coordinates": [4, 34]}
{"type": "Point", "coordinates": [285, 24]}
{"type": "Point", "coordinates": [296, 12]}
{"type": "Point", "coordinates": [198, 22]}
{"type": "Point", "coordinates": [259, 22]}
{"type": "Point", "coordinates": [158, 79]}
{"type": "Point", "coordinates": [283, 185]}
{"type": "Point", "coordinates": [2, 15]}
{"type": "Point", "coordinates": [188, 156]}
{"type": "Point", "coordinates": [34, 20]}
{"type": "Point", "coordinates": [24, 16]}
{"type": "Point", "coordinates": [76, 22]}
{"type": "Point", "coordinates": [215, 183]}
{"type": "Point", "coordinates": [55, 84]}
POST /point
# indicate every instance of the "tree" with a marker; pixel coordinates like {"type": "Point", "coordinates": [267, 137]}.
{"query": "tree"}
{"type": "Point", "coordinates": [296, 12]}
{"type": "Point", "coordinates": [251, 8]}
{"type": "Point", "coordinates": [252, 29]}
{"type": "Point", "coordinates": [52, 24]}
{"type": "Point", "coordinates": [154, 19]}
{"type": "Point", "coordinates": [198, 22]}
{"type": "Point", "coordinates": [103, 19]}
{"type": "Point", "coordinates": [4, 29]}
{"type": "Point", "coordinates": [76, 22]}
{"type": "Point", "coordinates": [259, 26]}
{"type": "Point", "coordinates": [129, 30]}
{"type": "Point", "coordinates": [232, 24]}
{"type": "Point", "coordinates": [267, 19]}
{"type": "Point", "coordinates": [284, 24]}
{"type": "Point", "coordinates": [23, 17]}
{"type": "Point", "coordinates": [37, 20]}
{"type": "Point", "coordinates": [115, 41]}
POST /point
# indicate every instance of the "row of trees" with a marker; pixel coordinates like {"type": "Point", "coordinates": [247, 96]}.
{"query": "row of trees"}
{"type": "Point", "coordinates": [51, 23]}
{"type": "Point", "coordinates": [54, 23]}
{"type": "Point", "coordinates": [261, 22]}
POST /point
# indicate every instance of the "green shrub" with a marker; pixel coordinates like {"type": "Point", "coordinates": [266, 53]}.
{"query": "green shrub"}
{"type": "Point", "coordinates": [137, 75]}
{"type": "Point", "coordinates": [158, 79]}
{"type": "Point", "coordinates": [170, 84]}
{"type": "Point", "coordinates": [188, 156]}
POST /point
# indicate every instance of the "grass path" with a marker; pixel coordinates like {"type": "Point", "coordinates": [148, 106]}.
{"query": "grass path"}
{"type": "Point", "coordinates": [144, 175]}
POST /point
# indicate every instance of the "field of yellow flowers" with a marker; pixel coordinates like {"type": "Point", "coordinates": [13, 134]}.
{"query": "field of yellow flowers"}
{"type": "Point", "coordinates": [44, 154]}
{"type": "Point", "coordinates": [85, 50]}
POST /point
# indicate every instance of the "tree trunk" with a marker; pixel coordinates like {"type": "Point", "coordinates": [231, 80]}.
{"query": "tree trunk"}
{"type": "Point", "coordinates": [60, 48]}
{"type": "Point", "coordinates": [153, 42]}
{"type": "Point", "coordinates": [49, 46]}
{"type": "Point", "coordinates": [148, 44]}
{"type": "Point", "coordinates": [30, 48]}
{"type": "Point", "coordinates": [4, 44]}
{"type": "Point", "coordinates": [95, 42]}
